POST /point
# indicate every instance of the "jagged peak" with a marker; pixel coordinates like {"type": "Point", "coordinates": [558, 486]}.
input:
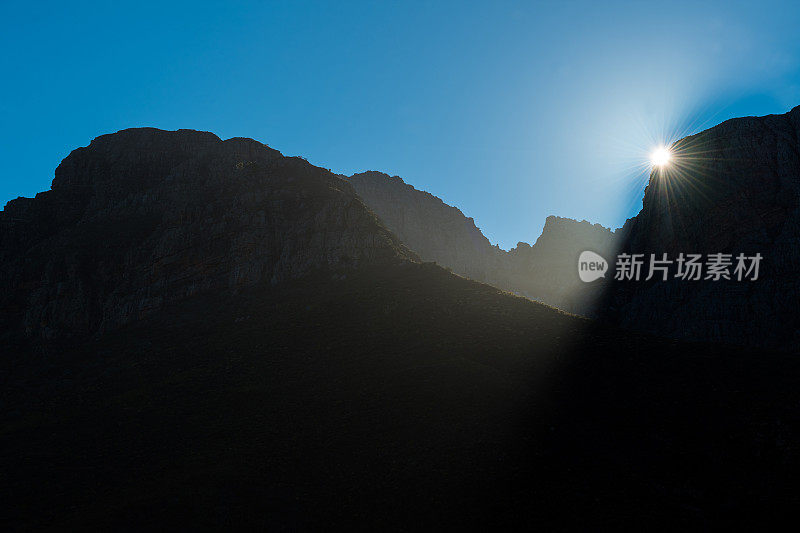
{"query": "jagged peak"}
{"type": "Point", "coordinates": [554, 220]}
{"type": "Point", "coordinates": [377, 178]}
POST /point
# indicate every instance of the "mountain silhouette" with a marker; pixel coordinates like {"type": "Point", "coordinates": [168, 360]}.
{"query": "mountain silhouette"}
{"type": "Point", "coordinates": [144, 217]}
{"type": "Point", "coordinates": [733, 189]}
{"type": "Point", "coordinates": [438, 232]}
{"type": "Point", "coordinates": [203, 333]}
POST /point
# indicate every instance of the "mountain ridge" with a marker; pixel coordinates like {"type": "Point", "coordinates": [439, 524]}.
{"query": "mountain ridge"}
{"type": "Point", "coordinates": [145, 216]}
{"type": "Point", "coordinates": [214, 335]}
{"type": "Point", "coordinates": [734, 185]}
{"type": "Point", "coordinates": [442, 233]}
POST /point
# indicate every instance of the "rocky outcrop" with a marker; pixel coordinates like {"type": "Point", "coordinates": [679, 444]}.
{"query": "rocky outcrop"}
{"type": "Point", "coordinates": [734, 188]}
{"type": "Point", "coordinates": [548, 269]}
{"type": "Point", "coordinates": [145, 217]}
{"type": "Point", "coordinates": [439, 232]}
{"type": "Point", "coordinates": [436, 231]}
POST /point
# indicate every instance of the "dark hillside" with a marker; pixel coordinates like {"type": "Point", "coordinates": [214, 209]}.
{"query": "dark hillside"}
{"type": "Point", "coordinates": [732, 189]}
{"type": "Point", "coordinates": [404, 398]}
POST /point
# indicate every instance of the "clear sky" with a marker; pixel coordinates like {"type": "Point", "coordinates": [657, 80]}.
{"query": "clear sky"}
{"type": "Point", "coordinates": [511, 111]}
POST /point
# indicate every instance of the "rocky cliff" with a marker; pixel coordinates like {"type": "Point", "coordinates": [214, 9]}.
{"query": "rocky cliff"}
{"type": "Point", "coordinates": [436, 231]}
{"type": "Point", "coordinates": [439, 232]}
{"type": "Point", "coordinates": [734, 188]}
{"type": "Point", "coordinates": [548, 269]}
{"type": "Point", "coordinates": [144, 217]}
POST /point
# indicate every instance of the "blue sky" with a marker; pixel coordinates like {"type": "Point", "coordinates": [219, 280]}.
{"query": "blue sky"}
{"type": "Point", "coordinates": [511, 111]}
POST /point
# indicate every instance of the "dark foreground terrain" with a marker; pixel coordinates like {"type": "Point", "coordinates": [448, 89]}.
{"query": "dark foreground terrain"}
{"type": "Point", "coordinates": [403, 398]}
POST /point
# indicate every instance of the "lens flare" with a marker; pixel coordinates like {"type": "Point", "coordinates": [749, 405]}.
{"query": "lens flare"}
{"type": "Point", "coordinates": [660, 157]}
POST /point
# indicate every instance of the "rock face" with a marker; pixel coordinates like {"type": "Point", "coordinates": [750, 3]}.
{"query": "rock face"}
{"type": "Point", "coordinates": [734, 188]}
{"type": "Point", "coordinates": [145, 217]}
{"type": "Point", "coordinates": [549, 267]}
{"type": "Point", "coordinates": [439, 232]}
{"type": "Point", "coordinates": [436, 231]}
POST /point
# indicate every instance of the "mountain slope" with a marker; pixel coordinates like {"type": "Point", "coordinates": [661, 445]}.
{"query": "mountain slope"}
{"type": "Point", "coordinates": [340, 383]}
{"type": "Point", "coordinates": [145, 217]}
{"type": "Point", "coordinates": [435, 230]}
{"type": "Point", "coordinates": [441, 233]}
{"type": "Point", "coordinates": [401, 398]}
{"type": "Point", "coordinates": [734, 188]}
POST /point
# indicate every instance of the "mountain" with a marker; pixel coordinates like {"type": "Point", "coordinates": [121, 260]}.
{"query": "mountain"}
{"type": "Point", "coordinates": [732, 189]}
{"type": "Point", "coordinates": [144, 217]}
{"type": "Point", "coordinates": [441, 233]}
{"type": "Point", "coordinates": [200, 333]}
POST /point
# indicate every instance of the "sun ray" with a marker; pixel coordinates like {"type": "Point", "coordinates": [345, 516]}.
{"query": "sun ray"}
{"type": "Point", "coordinates": [661, 156]}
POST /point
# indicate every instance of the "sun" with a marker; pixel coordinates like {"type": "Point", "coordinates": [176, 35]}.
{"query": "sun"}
{"type": "Point", "coordinates": [660, 157]}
